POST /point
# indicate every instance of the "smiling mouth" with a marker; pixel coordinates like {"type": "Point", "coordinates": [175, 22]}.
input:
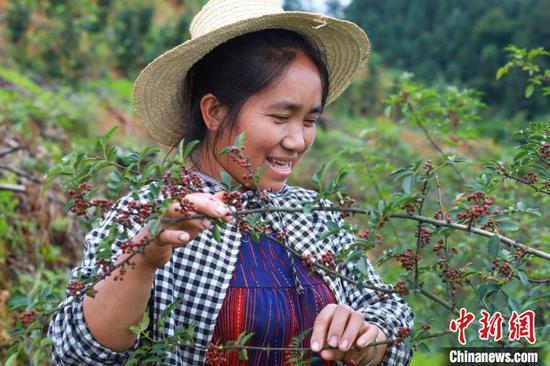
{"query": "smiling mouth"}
{"type": "Point", "coordinates": [281, 166]}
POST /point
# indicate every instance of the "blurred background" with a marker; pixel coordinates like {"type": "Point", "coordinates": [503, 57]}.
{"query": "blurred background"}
{"type": "Point", "coordinates": [66, 75]}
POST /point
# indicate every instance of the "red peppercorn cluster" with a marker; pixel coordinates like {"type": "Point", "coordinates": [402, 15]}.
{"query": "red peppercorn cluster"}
{"type": "Point", "coordinates": [480, 205]}
{"type": "Point", "coordinates": [264, 194]}
{"type": "Point", "coordinates": [346, 202]}
{"type": "Point", "coordinates": [191, 180]}
{"type": "Point", "coordinates": [408, 259]}
{"type": "Point", "coordinates": [137, 212]}
{"type": "Point", "coordinates": [546, 183]}
{"type": "Point", "coordinates": [440, 251]}
{"type": "Point", "coordinates": [327, 259]}
{"type": "Point", "coordinates": [491, 223]}
{"type": "Point", "coordinates": [281, 234]}
{"type": "Point", "coordinates": [530, 178]}
{"type": "Point", "coordinates": [131, 246]}
{"type": "Point", "coordinates": [545, 151]}
{"type": "Point", "coordinates": [214, 355]}
{"type": "Point", "coordinates": [410, 207]}
{"type": "Point", "coordinates": [424, 236]}
{"type": "Point", "coordinates": [520, 253]}
{"type": "Point", "coordinates": [402, 288]}
{"type": "Point", "coordinates": [382, 219]}
{"type": "Point", "coordinates": [104, 204]}
{"type": "Point", "coordinates": [308, 260]}
{"type": "Point", "coordinates": [81, 205]}
{"type": "Point", "coordinates": [425, 327]}
{"type": "Point", "coordinates": [236, 154]}
{"type": "Point", "coordinates": [401, 334]}
{"type": "Point", "coordinates": [75, 287]}
{"type": "Point", "coordinates": [365, 234]}
{"type": "Point", "coordinates": [28, 316]}
{"type": "Point", "coordinates": [428, 166]}
{"type": "Point", "coordinates": [502, 268]}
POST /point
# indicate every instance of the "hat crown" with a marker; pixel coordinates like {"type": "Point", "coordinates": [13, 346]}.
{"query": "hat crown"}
{"type": "Point", "coordinates": [219, 13]}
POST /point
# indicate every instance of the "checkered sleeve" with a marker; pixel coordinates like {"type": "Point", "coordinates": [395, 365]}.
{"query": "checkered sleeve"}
{"type": "Point", "coordinates": [73, 344]}
{"type": "Point", "coordinates": [387, 311]}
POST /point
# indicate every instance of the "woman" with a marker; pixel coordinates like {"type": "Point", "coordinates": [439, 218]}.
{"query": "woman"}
{"type": "Point", "coordinates": [250, 67]}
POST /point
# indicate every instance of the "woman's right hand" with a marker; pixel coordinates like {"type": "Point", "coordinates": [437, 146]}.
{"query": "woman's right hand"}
{"type": "Point", "coordinates": [178, 234]}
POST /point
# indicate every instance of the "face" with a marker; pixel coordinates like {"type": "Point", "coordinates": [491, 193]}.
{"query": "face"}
{"type": "Point", "coordinates": [279, 125]}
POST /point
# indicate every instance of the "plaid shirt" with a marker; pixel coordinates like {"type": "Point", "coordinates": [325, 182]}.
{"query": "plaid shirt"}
{"type": "Point", "coordinates": [199, 274]}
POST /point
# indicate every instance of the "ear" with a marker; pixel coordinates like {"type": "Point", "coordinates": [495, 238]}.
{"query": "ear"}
{"type": "Point", "coordinates": [212, 111]}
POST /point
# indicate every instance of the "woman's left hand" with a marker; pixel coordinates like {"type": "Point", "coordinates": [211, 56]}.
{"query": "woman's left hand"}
{"type": "Point", "coordinates": [342, 327]}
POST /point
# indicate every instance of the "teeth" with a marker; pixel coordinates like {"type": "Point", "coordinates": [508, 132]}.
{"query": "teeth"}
{"type": "Point", "coordinates": [279, 162]}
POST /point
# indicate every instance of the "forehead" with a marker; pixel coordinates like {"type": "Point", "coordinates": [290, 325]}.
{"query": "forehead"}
{"type": "Point", "coordinates": [298, 86]}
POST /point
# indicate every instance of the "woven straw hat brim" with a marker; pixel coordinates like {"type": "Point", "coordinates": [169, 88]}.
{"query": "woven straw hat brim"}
{"type": "Point", "coordinates": [158, 90]}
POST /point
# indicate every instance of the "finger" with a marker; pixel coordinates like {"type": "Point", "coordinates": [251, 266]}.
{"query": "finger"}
{"type": "Point", "coordinates": [368, 336]}
{"type": "Point", "coordinates": [355, 324]}
{"type": "Point", "coordinates": [362, 354]}
{"type": "Point", "coordinates": [202, 203]}
{"type": "Point", "coordinates": [220, 196]}
{"type": "Point", "coordinates": [340, 319]}
{"type": "Point", "coordinates": [332, 354]}
{"type": "Point", "coordinates": [174, 237]}
{"type": "Point", "coordinates": [320, 327]}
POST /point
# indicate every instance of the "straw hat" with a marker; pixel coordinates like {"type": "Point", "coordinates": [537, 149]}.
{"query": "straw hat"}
{"type": "Point", "coordinates": [158, 90]}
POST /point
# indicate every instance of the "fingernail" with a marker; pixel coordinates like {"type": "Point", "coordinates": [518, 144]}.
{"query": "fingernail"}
{"type": "Point", "coordinates": [315, 346]}
{"type": "Point", "coordinates": [344, 344]}
{"type": "Point", "coordinates": [206, 224]}
{"type": "Point", "coordinates": [220, 210]}
{"type": "Point", "coordinates": [184, 237]}
{"type": "Point", "coordinates": [333, 341]}
{"type": "Point", "coordinates": [362, 342]}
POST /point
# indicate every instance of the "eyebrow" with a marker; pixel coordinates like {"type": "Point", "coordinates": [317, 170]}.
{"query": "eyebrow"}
{"type": "Point", "coordinates": [293, 107]}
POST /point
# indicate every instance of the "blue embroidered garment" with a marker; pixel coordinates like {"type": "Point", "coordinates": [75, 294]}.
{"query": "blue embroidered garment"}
{"type": "Point", "coordinates": [262, 299]}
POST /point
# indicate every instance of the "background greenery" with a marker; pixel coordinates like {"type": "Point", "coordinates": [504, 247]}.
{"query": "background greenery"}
{"type": "Point", "coordinates": [66, 74]}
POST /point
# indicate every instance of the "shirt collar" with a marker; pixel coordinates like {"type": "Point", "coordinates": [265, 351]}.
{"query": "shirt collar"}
{"type": "Point", "coordinates": [213, 184]}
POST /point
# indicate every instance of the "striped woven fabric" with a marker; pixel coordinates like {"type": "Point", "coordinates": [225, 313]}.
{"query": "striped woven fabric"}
{"type": "Point", "coordinates": [262, 299]}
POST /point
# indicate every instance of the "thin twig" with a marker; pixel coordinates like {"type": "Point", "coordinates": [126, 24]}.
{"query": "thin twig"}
{"type": "Point", "coordinates": [10, 150]}
{"type": "Point", "coordinates": [381, 196]}
{"type": "Point", "coordinates": [432, 142]}
{"type": "Point", "coordinates": [487, 234]}
{"type": "Point", "coordinates": [509, 176]}
{"type": "Point", "coordinates": [12, 187]}
{"type": "Point", "coordinates": [21, 174]}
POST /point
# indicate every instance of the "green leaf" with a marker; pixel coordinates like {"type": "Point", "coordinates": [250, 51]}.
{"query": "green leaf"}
{"type": "Point", "coordinates": [134, 329]}
{"type": "Point", "coordinates": [408, 184]}
{"type": "Point", "coordinates": [493, 247]}
{"type": "Point", "coordinates": [216, 233]}
{"type": "Point", "coordinates": [154, 228]}
{"type": "Point", "coordinates": [423, 347]}
{"type": "Point", "coordinates": [12, 360]}
{"type": "Point", "coordinates": [224, 151]}
{"type": "Point", "coordinates": [189, 149]}
{"type": "Point", "coordinates": [514, 305]}
{"type": "Point", "coordinates": [509, 226]}
{"type": "Point", "coordinates": [144, 322]}
{"type": "Point", "coordinates": [529, 90]}
{"type": "Point", "coordinates": [239, 140]}
{"type": "Point", "coordinates": [243, 355]}
{"type": "Point", "coordinates": [320, 174]}
{"type": "Point", "coordinates": [523, 277]}
{"type": "Point", "coordinates": [501, 72]}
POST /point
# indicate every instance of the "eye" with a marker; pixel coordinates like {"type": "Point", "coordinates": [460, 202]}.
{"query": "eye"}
{"type": "Point", "coordinates": [311, 122]}
{"type": "Point", "coordinates": [280, 118]}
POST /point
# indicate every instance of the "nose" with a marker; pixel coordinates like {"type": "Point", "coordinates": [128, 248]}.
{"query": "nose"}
{"type": "Point", "coordinates": [294, 138]}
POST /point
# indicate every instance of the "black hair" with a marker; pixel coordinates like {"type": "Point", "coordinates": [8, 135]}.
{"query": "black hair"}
{"type": "Point", "coordinates": [241, 67]}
